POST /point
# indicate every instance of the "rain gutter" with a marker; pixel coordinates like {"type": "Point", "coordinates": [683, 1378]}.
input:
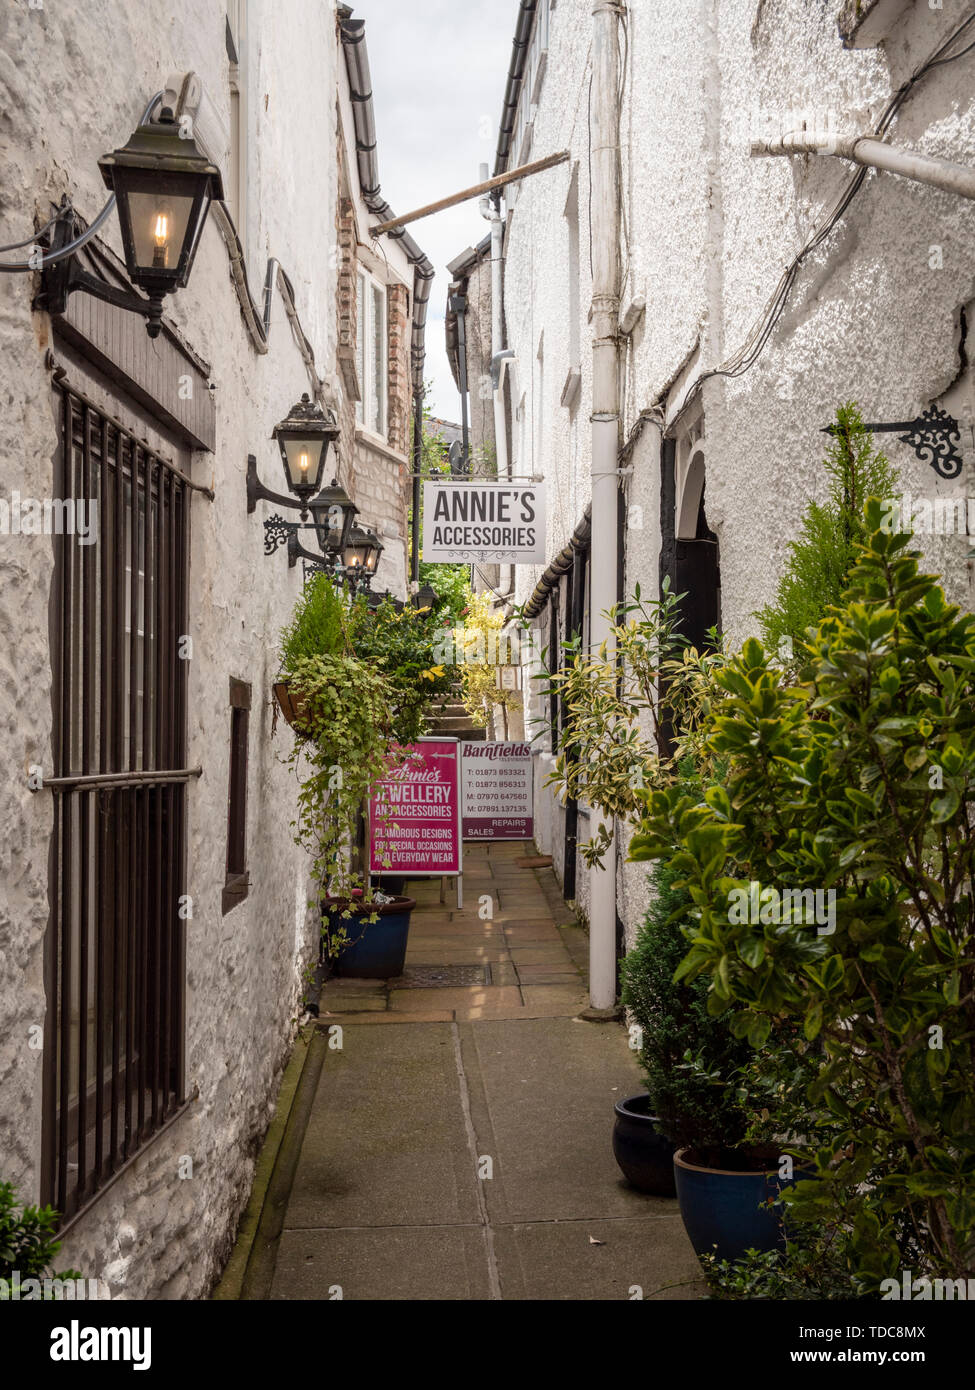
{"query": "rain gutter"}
{"type": "Point", "coordinates": [562, 564]}
{"type": "Point", "coordinates": [353, 32]}
{"type": "Point", "coordinates": [512, 91]}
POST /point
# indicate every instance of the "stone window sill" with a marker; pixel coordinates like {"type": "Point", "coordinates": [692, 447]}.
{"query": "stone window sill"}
{"type": "Point", "coordinates": [376, 441]}
{"type": "Point", "coordinates": [235, 890]}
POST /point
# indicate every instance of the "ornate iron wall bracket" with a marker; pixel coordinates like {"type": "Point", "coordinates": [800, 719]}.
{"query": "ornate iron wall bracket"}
{"type": "Point", "coordinates": [277, 532]}
{"type": "Point", "coordinates": [934, 436]}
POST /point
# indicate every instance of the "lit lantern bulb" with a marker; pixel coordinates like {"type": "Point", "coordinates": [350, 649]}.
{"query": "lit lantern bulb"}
{"type": "Point", "coordinates": [304, 463]}
{"type": "Point", "coordinates": [161, 237]}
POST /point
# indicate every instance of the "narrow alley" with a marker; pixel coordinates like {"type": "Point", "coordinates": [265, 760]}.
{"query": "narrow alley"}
{"type": "Point", "coordinates": [456, 1145]}
{"type": "Point", "coordinates": [487, 661]}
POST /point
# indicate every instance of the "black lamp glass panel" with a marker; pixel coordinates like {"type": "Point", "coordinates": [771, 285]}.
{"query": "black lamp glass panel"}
{"type": "Point", "coordinates": [362, 551]}
{"type": "Point", "coordinates": [353, 556]}
{"type": "Point", "coordinates": [329, 526]}
{"type": "Point", "coordinates": [161, 216]}
{"type": "Point", "coordinates": [304, 460]}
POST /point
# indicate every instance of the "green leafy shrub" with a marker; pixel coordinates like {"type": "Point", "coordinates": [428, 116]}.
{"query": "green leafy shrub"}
{"type": "Point", "coordinates": [824, 552]}
{"type": "Point", "coordinates": [689, 1058]}
{"type": "Point", "coordinates": [814, 1265]}
{"type": "Point", "coordinates": [616, 710]}
{"type": "Point", "coordinates": [317, 626]}
{"type": "Point", "coordinates": [28, 1244]}
{"type": "Point", "coordinates": [856, 780]}
{"type": "Point", "coordinates": [403, 646]}
{"type": "Point", "coordinates": [452, 585]}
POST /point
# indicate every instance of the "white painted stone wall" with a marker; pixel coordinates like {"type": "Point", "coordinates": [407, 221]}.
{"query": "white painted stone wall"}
{"type": "Point", "coordinates": [74, 78]}
{"type": "Point", "coordinates": [708, 231]}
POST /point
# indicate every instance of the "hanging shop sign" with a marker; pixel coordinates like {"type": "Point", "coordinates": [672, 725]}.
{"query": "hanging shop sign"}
{"type": "Point", "coordinates": [414, 814]}
{"type": "Point", "coordinates": [494, 522]}
{"type": "Point", "coordinates": [497, 789]}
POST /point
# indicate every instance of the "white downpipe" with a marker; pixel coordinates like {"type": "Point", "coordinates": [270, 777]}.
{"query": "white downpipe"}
{"type": "Point", "coordinates": [604, 153]}
{"type": "Point", "coordinates": [492, 214]}
{"type": "Point", "coordinates": [875, 154]}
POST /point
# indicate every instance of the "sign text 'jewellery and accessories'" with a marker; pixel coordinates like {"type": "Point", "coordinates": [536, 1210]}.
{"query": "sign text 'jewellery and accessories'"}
{"type": "Point", "coordinates": [500, 522]}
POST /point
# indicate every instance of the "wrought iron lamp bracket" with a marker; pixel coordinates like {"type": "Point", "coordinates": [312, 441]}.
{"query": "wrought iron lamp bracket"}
{"type": "Point", "coordinates": [277, 532]}
{"type": "Point", "coordinates": [296, 551]}
{"type": "Point", "coordinates": [257, 492]}
{"type": "Point", "coordinates": [60, 279]}
{"type": "Point", "coordinates": [934, 436]}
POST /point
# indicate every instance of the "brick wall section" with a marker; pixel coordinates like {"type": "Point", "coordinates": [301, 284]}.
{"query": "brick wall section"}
{"type": "Point", "coordinates": [377, 478]}
{"type": "Point", "coordinates": [346, 297]}
{"type": "Point", "coordinates": [398, 302]}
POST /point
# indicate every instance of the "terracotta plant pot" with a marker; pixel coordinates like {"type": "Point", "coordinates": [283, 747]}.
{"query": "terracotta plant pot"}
{"type": "Point", "coordinates": [292, 706]}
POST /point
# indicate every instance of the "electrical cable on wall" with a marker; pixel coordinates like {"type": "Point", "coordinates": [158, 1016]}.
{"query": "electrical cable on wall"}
{"type": "Point", "coordinates": [755, 343]}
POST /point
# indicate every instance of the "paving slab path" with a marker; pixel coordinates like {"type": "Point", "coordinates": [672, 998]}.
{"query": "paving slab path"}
{"type": "Point", "coordinates": [462, 1150]}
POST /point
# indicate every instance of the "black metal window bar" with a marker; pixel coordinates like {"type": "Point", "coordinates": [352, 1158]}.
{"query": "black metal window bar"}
{"type": "Point", "coordinates": [114, 1072]}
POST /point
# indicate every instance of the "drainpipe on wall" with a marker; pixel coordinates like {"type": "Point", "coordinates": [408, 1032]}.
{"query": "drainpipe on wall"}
{"type": "Point", "coordinates": [605, 236]}
{"type": "Point", "coordinates": [491, 212]}
{"type": "Point", "coordinates": [458, 303]}
{"type": "Point", "coordinates": [417, 470]}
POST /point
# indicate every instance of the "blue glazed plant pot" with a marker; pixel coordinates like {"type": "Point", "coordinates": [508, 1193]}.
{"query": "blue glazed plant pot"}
{"type": "Point", "coordinates": [374, 950]}
{"type": "Point", "coordinates": [726, 1212]}
{"type": "Point", "coordinates": [645, 1156]}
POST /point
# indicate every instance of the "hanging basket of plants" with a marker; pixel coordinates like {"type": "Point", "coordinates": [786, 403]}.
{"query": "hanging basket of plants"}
{"type": "Point", "coordinates": [293, 706]}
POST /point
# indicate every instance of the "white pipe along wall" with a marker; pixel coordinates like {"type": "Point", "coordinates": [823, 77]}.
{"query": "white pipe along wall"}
{"type": "Point", "coordinates": [604, 149]}
{"type": "Point", "coordinates": [492, 213]}
{"type": "Point", "coordinates": [875, 154]}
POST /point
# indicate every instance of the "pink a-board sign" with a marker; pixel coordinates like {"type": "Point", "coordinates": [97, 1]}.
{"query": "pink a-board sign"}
{"type": "Point", "coordinates": [414, 816]}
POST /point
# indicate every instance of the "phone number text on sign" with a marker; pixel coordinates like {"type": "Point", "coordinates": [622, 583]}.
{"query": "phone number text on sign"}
{"type": "Point", "coordinates": [497, 791]}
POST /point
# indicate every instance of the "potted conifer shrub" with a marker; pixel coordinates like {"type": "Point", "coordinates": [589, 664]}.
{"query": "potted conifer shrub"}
{"type": "Point", "coordinates": [317, 628]}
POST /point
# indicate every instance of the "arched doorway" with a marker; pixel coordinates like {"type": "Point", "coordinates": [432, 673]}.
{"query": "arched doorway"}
{"type": "Point", "coordinates": [689, 554]}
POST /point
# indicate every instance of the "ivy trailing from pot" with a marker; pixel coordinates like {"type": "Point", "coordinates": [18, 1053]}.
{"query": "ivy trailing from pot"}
{"type": "Point", "coordinates": [337, 760]}
{"type": "Point", "coordinates": [355, 684]}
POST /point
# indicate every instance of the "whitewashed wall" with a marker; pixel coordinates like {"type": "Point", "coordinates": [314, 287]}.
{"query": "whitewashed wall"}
{"type": "Point", "coordinates": [708, 230]}
{"type": "Point", "coordinates": [74, 78]}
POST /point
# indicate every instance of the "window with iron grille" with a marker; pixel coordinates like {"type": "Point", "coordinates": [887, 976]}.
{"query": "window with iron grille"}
{"type": "Point", "coordinates": [237, 880]}
{"type": "Point", "coordinates": [115, 959]}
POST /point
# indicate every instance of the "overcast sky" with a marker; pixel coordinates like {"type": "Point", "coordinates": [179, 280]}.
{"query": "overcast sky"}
{"type": "Point", "coordinates": [438, 75]}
